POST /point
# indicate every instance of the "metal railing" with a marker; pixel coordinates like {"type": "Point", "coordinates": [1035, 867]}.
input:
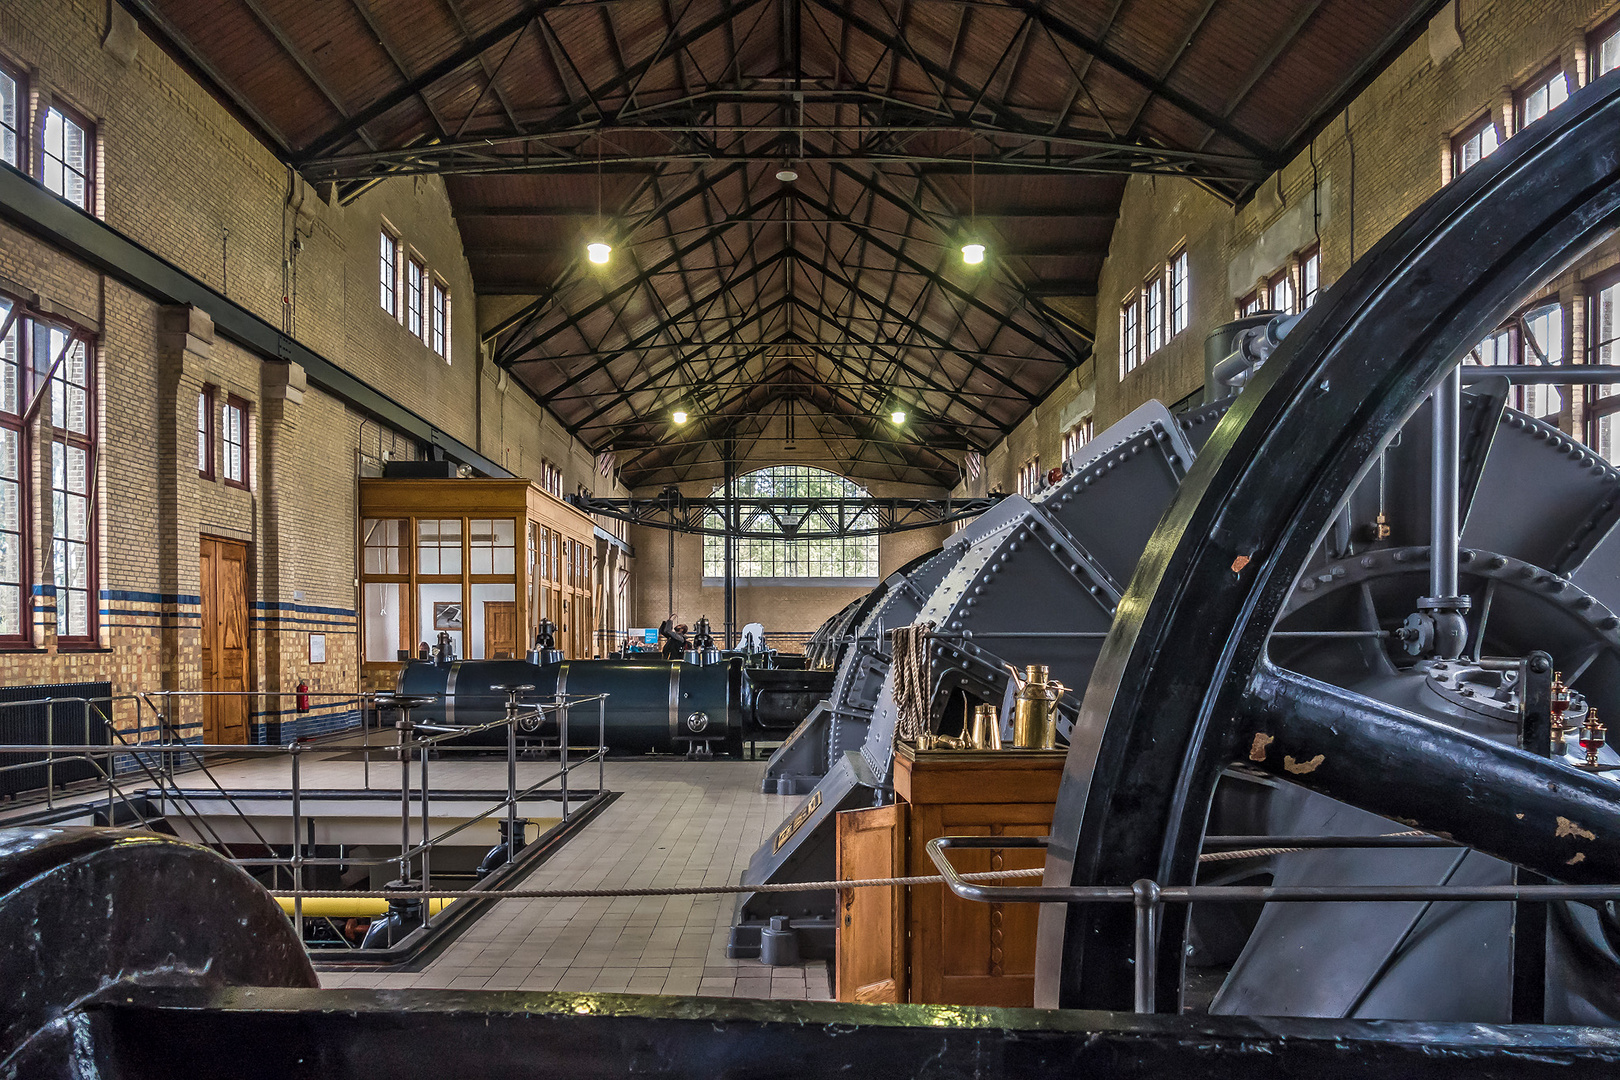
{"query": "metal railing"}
{"type": "Point", "coordinates": [1149, 897]}
{"type": "Point", "coordinates": [154, 762]}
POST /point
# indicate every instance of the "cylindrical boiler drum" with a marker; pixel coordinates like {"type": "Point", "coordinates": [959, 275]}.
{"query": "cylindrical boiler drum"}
{"type": "Point", "coordinates": [652, 705]}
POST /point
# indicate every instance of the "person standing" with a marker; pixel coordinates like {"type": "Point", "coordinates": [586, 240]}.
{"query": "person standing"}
{"type": "Point", "coordinates": [673, 636]}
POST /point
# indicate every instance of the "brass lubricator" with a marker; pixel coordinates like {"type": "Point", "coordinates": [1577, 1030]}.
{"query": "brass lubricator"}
{"type": "Point", "coordinates": [1593, 735]}
{"type": "Point", "coordinates": [1380, 529]}
{"type": "Point", "coordinates": [1558, 705]}
{"type": "Point", "coordinates": [1035, 708]}
{"type": "Point", "coordinates": [985, 731]}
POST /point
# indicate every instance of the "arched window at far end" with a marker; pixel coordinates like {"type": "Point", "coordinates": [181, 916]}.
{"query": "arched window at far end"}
{"type": "Point", "coordinates": [819, 560]}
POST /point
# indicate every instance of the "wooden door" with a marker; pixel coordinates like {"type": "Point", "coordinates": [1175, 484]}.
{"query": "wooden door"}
{"type": "Point", "coordinates": [500, 629]}
{"type": "Point", "coordinates": [224, 640]}
{"type": "Point", "coordinates": [871, 930]}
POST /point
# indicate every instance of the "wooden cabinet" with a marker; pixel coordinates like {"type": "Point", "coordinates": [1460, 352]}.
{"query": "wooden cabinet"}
{"type": "Point", "coordinates": [920, 943]}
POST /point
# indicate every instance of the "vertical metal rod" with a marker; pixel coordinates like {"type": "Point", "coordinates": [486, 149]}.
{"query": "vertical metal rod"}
{"type": "Point", "coordinates": [298, 846]}
{"type": "Point", "coordinates": [50, 758]}
{"type": "Point", "coordinates": [1529, 928]}
{"type": "Point", "coordinates": [511, 778]}
{"type": "Point", "coordinates": [601, 743]}
{"type": "Point", "coordinates": [565, 758]}
{"type": "Point", "coordinates": [365, 736]}
{"type": "Point", "coordinates": [404, 726]}
{"type": "Point", "coordinates": [1146, 901]}
{"type": "Point", "coordinates": [1445, 469]}
{"type": "Point", "coordinates": [427, 851]}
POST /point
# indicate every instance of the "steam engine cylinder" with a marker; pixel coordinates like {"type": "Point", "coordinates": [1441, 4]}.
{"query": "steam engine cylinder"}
{"type": "Point", "coordinates": [653, 705]}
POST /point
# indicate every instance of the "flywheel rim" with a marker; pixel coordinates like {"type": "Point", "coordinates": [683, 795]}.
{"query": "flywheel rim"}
{"type": "Point", "coordinates": [1163, 713]}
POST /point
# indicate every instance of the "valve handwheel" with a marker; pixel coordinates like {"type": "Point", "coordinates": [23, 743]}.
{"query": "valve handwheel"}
{"type": "Point", "coordinates": [1183, 686]}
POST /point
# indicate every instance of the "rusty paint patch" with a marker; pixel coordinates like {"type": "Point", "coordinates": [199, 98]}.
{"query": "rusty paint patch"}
{"type": "Point", "coordinates": [1239, 563]}
{"type": "Point", "coordinates": [1299, 768]}
{"type": "Point", "coordinates": [1567, 827]}
{"type": "Point", "coordinates": [1257, 750]}
{"type": "Point", "coordinates": [1578, 857]}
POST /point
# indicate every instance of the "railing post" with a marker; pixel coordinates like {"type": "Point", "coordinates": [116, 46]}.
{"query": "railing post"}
{"type": "Point", "coordinates": [403, 724]}
{"type": "Point", "coordinates": [1145, 898]}
{"type": "Point", "coordinates": [297, 846]}
{"type": "Point", "coordinates": [427, 851]}
{"type": "Point", "coordinates": [50, 758]}
{"type": "Point", "coordinates": [511, 777]}
{"type": "Point", "coordinates": [601, 743]}
{"type": "Point", "coordinates": [564, 755]}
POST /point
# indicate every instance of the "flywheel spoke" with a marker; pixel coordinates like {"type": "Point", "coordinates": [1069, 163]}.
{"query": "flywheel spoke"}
{"type": "Point", "coordinates": [1539, 813]}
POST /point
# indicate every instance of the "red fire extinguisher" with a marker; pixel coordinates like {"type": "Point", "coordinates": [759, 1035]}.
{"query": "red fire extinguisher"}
{"type": "Point", "coordinates": [303, 695]}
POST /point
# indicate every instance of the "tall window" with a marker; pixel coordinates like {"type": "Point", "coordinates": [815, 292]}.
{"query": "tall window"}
{"type": "Point", "coordinates": [1310, 278]}
{"type": "Point", "coordinates": [1475, 144]}
{"type": "Point", "coordinates": [853, 558]}
{"type": "Point", "coordinates": [1153, 313]}
{"type": "Point", "coordinates": [11, 123]}
{"type": "Point", "coordinates": [390, 273]}
{"type": "Point", "coordinates": [1130, 338]}
{"type": "Point", "coordinates": [13, 558]}
{"type": "Point", "coordinates": [67, 159]}
{"type": "Point", "coordinates": [441, 320]}
{"type": "Point", "coordinates": [1603, 49]}
{"type": "Point", "coordinates": [72, 461]}
{"type": "Point", "coordinates": [415, 280]}
{"type": "Point", "coordinates": [234, 429]}
{"type": "Point", "coordinates": [1253, 304]}
{"type": "Point", "coordinates": [1603, 347]}
{"type": "Point", "coordinates": [1180, 294]}
{"type": "Point", "coordinates": [1534, 337]}
{"type": "Point", "coordinates": [1280, 292]}
{"type": "Point", "coordinates": [205, 433]}
{"type": "Point", "coordinates": [1545, 93]}
{"type": "Point", "coordinates": [1029, 477]}
{"type": "Point", "coordinates": [1075, 438]}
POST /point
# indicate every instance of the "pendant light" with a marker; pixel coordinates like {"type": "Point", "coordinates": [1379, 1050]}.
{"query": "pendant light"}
{"type": "Point", "coordinates": [598, 250]}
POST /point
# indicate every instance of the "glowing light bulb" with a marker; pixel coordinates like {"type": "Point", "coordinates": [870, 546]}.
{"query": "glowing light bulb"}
{"type": "Point", "coordinates": [973, 254]}
{"type": "Point", "coordinates": [898, 416]}
{"type": "Point", "coordinates": [598, 252]}
{"type": "Point", "coordinates": [679, 416]}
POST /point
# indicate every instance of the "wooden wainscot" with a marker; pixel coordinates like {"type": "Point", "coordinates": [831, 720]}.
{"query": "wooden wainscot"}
{"type": "Point", "coordinates": [921, 943]}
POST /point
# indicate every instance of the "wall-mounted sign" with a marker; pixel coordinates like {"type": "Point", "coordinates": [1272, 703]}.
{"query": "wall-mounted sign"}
{"type": "Point", "coordinates": [317, 648]}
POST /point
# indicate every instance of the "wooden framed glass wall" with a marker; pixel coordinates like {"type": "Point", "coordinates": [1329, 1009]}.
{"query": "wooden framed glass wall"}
{"type": "Point", "coordinates": [481, 561]}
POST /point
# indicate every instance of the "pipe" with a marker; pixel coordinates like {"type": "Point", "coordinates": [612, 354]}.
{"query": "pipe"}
{"type": "Point", "coordinates": [360, 907]}
{"type": "Point", "coordinates": [1445, 467]}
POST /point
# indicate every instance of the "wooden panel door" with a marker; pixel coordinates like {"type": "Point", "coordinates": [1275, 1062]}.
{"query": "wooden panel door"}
{"type": "Point", "coordinates": [963, 952]}
{"type": "Point", "coordinates": [500, 629]}
{"type": "Point", "coordinates": [224, 640]}
{"type": "Point", "coordinates": [871, 930]}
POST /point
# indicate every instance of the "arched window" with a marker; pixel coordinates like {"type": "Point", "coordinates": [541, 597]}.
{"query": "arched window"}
{"type": "Point", "coordinates": [852, 560]}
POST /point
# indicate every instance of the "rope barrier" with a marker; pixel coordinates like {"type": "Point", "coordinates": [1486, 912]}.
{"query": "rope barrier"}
{"type": "Point", "coordinates": [720, 890]}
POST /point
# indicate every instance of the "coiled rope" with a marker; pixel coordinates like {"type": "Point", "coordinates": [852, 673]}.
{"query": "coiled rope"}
{"type": "Point", "coordinates": [908, 651]}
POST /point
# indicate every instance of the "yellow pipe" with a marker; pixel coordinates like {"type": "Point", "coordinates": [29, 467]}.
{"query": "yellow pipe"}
{"type": "Point", "coordinates": [360, 907]}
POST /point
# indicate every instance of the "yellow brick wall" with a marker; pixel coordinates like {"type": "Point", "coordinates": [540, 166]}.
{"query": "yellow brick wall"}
{"type": "Point", "coordinates": [1394, 132]}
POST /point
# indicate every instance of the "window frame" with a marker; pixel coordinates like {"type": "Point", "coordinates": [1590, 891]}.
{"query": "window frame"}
{"type": "Point", "coordinates": [1178, 276]}
{"type": "Point", "coordinates": [1029, 476]}
{"type": "Point", "coordinates": [415, 297]}
{"type": "Point", "coordinates": [87, 442]}
{"type": "Point", "coordinates": [1472, 130]}
{"type": "Point", "coordinates": [1282, 279]}
{"type": "Point", "coordinates": [1130, 335]}
{"type": "Point", "coordinates": [1598, 404]}
{"type": "Point", "coordinates": [24, 101]}
{"type": "Point", "coordinates": [810, 561]}
{"type": "Point", "coordinates": [1309, 292]}
{"type": "Point", "coordinates": [83, 123]}
{"type": "Point", "coordinates": [439, 315]}
{"type": "Point", "coordinates": [1081, 428]}
{"type": "Point", "coordinates": [14, 422]}
{"type": "Point", "coordinates": [206, 432]}
{"type": "Point", "coordinates": [245, 408]}
{"type": "Point", "coordinates": [1596, 38]}
{"type": "Point", "coordinates": [1521, 96]}
{"type": "Point", "coordinates": [1153, 321]}
{"type": "Point", "coordinates": [388, 263]}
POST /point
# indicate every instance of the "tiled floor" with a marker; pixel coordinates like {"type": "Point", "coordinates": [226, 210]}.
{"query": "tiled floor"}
{"type": "Point", "coordinates": [675, 823]}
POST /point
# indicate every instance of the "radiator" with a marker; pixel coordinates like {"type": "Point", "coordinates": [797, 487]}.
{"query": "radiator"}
{"type": "Point", "coordinates": [74, 723]}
